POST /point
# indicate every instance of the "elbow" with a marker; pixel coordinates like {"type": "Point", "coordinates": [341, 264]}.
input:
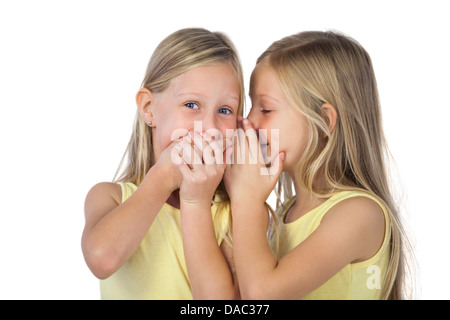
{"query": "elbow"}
{"type": "Point", "coordinates": [214, 294]}
{"type": "Point", "coordinates": [255, 291]}
{"type": "Point", "coordinates": [250, 295]}
{"type": "Point", "coordinates": [101, 265]}
{"type": "Point", "coordinates": [101, 262]}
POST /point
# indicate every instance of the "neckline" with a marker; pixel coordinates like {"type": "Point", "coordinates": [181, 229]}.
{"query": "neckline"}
{"type": "Point", "coordinates": [292, 201]}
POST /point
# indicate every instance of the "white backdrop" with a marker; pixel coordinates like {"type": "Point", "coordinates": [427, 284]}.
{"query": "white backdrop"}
{"type": "Point", "coordinates": [69, 71]}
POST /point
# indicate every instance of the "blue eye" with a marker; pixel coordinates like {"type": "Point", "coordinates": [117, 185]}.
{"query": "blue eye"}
{"type": "Point", "coordinates": [225, 111]}
{"type": "Point", "coordinates": [191, 105]}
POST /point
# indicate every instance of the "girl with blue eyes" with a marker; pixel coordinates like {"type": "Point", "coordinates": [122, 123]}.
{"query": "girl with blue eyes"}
{"type": "Point", "coordinates": [161, 229]}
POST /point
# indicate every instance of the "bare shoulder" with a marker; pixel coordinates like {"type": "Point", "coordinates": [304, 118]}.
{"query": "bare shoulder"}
{"type": "Point", "coordinates": [105, 190]}
{"type": "Point", "coordinates": [102, 198]}
{"type": "Point", "coordinates": [359, 209]}
{"type": "Point", "coordinates": [362, 220]}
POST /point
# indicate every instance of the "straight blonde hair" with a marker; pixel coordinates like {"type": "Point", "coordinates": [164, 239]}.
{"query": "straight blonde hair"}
{"type": "Point", "coordinates": [327, 67]}
{"type": "Point", "coordinates": [178, 53]}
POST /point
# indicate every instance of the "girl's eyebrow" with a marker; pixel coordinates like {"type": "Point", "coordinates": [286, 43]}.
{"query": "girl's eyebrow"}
{"type": "Point", "coordinates": [190, 94]}
{"type": "Point", "coordinates": [265, 96]}
{"type": "Point", "coordinates": [233, 97]}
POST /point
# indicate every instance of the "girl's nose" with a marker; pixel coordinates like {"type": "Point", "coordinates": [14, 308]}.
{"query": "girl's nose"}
{"type": "Point", "coordinates": [253, 120]}
{"type": "Point", "coordinates": [209, 122]}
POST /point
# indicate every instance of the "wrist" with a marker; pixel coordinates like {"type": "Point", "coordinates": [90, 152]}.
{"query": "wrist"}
{"type": "Point", "coordinates": [248, 209]}
{"type": "Point", "coordinates": [166, 176]}
{"type": "Point", "coordinates": [191, 203]}
{"type": "Point", "coordinates": [198, 213]}
{"type": "Point", "coordinates": [158, 175]}
{"type": "Point", "coordinates": [246, 204]}
{"type": "Point", "coordinates": [246, 200]}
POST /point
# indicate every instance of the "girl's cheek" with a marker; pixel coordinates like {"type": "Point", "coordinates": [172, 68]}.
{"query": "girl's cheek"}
{"type": "Point", "coordinates": [233, 122]}
{"type": "Point", "coordinates": [230, 124]}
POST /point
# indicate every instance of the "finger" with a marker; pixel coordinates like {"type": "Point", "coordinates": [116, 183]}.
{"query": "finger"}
{"type": "Point", "coordinates": [253, 141]}
{"type": "Point", "coordinates": [208, 149]}
{"type": "Point", "coordinates": [188, 154]}
{"type": "Point", "coordinates": [212, 134]}
{"type": "Point", "coordinates": [198, 140]}
{"type": "Point", "coordinates": [188, 138]}
{"type": "Point", "coordinates": [239, 147]}
{"type": "Point", "coordinates": [195, 152]}
{"type": "Point", "coordinates": [227, 156]}
{"type": "Point", "coordinates": [277, 166]}
{"type": "Point", "coordinates": [178, 134]}
{"type": "Point", "coordinates": [199, 145]}
{"type": "Point", "coordinates": [209, 154]}
{"type": "Point", "coordinates": [239, 121]}
{"type": "Point", "coordinates": [184, 169]}
{"type": "Point", "coordinates": [246, 125]}
{"type": "Point", "coordinates": [243, 153]}
{"type": "Point", "coordinates": [175, 155]}
{"type": "Point", "coordinates": [175, 145]}
{"type": "Point", "coordinates": [217, 151]}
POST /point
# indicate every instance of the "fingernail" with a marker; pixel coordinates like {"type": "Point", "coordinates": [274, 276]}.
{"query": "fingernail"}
{"type": "Point", "coordinates": [245, 121]}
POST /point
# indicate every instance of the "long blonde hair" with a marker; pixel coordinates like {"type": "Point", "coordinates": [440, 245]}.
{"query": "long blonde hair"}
{"type": "Point", "coordinates": [327, 67]}
{"type": "Point", "coordinates": [180, 52]}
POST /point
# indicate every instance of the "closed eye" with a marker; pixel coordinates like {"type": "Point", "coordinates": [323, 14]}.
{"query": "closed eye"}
{"type": "Point", "coordinates": [265, 111]}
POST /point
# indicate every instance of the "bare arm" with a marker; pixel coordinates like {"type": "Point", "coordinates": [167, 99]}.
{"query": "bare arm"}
{"type": "Point", "coordinates": [114, 230]}
{"type": "Point", "coordinates": [209, 273]}
{"type": "Point", "coordinates": [352, 231]}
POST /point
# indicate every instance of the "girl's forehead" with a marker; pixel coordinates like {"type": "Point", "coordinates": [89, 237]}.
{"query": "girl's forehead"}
{"type": "Point", "coordinates": [216, 80]}
{"type": "Point", "coordinates": [264, 82]}
{"type": "Point", "coordinates": [218, 72]}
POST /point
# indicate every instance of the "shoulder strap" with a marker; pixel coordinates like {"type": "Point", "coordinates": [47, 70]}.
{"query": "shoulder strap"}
{"type": "Point", "coordinates": [127, 189]}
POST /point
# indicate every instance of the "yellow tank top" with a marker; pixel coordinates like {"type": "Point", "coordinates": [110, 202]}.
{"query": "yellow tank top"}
{"type": "Point", "coordinates": [362, 280]}
{"type": "Point", "coordinates": [157, 270]}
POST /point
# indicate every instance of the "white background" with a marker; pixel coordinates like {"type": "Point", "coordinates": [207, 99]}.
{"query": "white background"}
{"type": "Point", "coordinates": [69, 71]}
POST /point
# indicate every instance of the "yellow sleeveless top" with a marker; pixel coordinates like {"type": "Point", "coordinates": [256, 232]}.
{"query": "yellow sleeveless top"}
{"type": "Point", "coordinates": [360, 281]}
{"type": "Point", "coordinates": [157, 270]}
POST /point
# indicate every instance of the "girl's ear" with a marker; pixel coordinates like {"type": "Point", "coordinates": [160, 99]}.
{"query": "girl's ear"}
{"type": "Point", "coordinates": [331, 114]}
{"type": "Point", "coordinates": [144, 98]}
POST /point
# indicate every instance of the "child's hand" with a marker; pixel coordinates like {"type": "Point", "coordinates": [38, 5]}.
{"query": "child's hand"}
{"type": "Point", "coordinates": [201, 163]}
{"type": "Point", "coordinates": [248, 178]}
{"type": "Point", "coordinates": [173, 176]}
